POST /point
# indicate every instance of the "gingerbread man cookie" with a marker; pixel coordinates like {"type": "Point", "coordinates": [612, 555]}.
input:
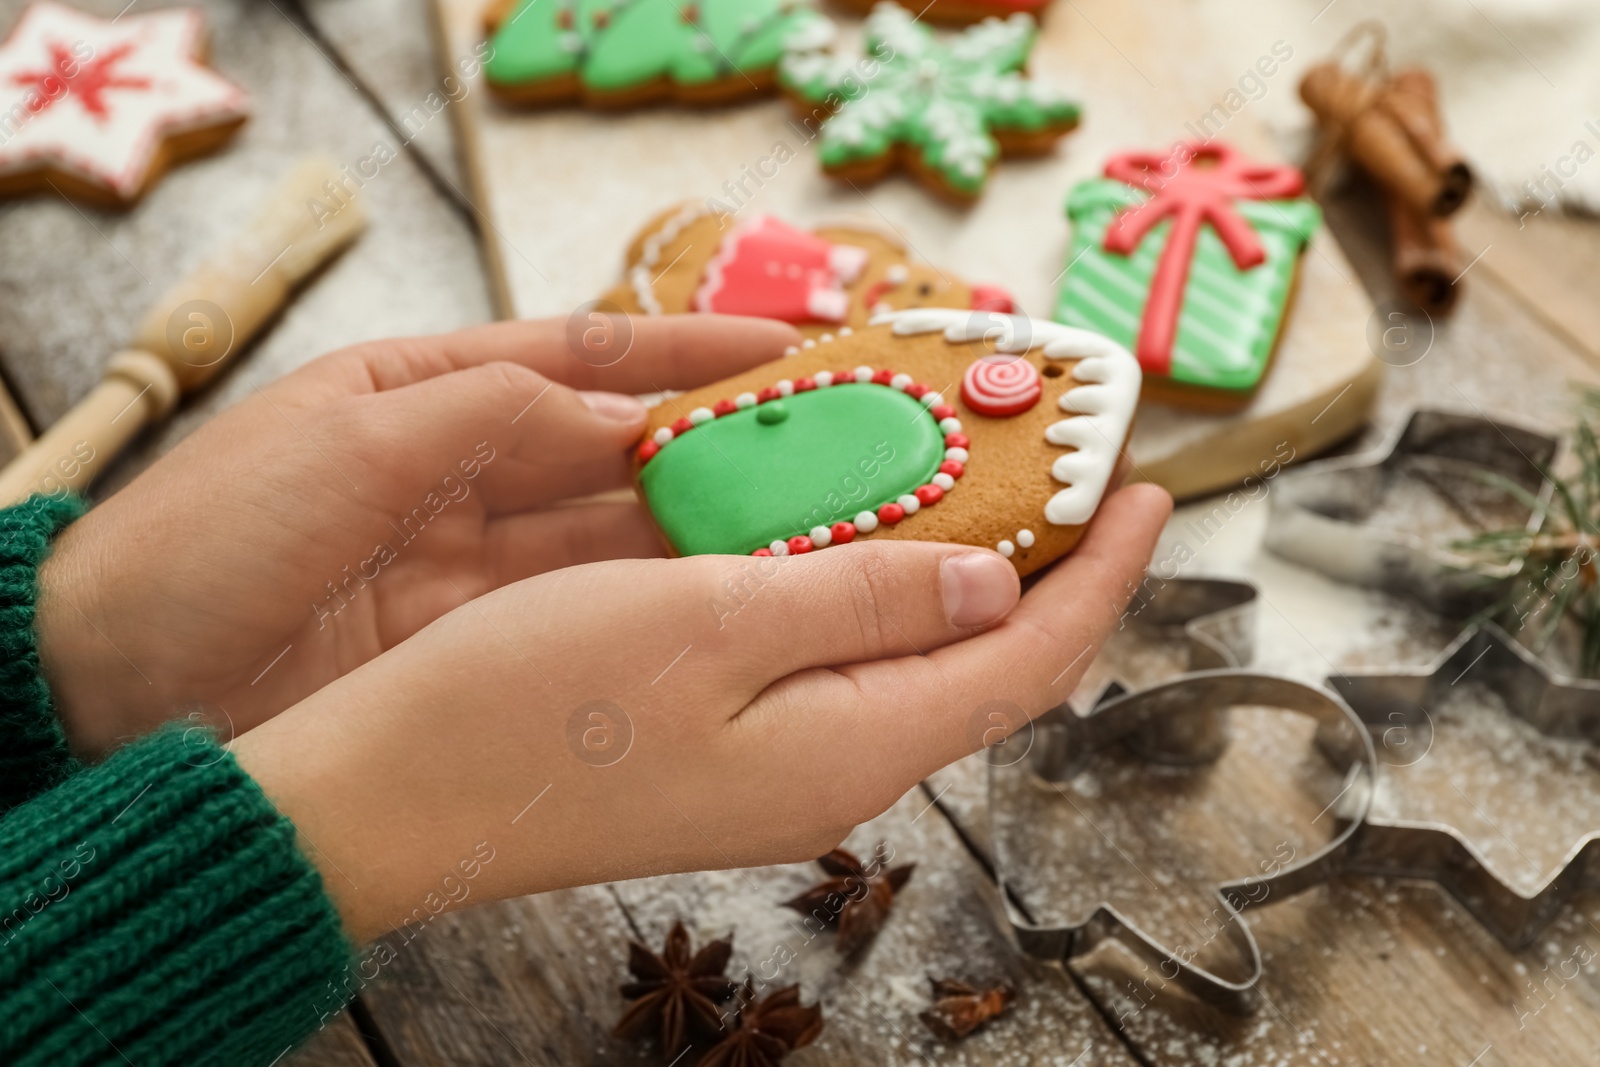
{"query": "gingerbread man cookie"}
{"type": "Point", "coordinates": [693, 258]}
{"type": "Point", "coordinates": [98, 110]}
{"type": "Point", "coordinates": [1190, 258]}
{"type": "Point", "coordinates": [622, 53]}
{"type": "Point", "coordinates": [963, 12]}
{"type": "Point", "coordinates": [934, 424]}
{"type": "Point", "coordinates": [946, 110]}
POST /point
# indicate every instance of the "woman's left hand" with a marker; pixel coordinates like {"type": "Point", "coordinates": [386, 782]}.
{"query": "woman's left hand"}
{"type": "Point", "coordinates": [341, 509]}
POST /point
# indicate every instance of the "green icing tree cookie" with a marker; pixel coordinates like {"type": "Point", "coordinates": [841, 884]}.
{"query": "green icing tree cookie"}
{"type": "Point", "coordinates": [622, 52]}
{"type": "Point", "coordinates": [949, 109]}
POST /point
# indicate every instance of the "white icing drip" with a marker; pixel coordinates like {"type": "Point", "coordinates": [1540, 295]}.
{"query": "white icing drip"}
{"type": "Point", "coordinates": [642, 277]}
{"type": "Point", "coordinates": [1100, 409]}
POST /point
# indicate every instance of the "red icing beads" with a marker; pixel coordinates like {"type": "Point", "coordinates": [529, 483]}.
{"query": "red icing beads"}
{"type": "Point", "coordinates": [724, 407]}
{"type": "Point", "coordinates": [769, 393]}
{"type": "Point", "coordinates": [891, 514]}
{"type": "Point", "coordinates": [929, 494]}
{"type": "Point", "coordinates": [799, 546]}
{"type": "Point", "coordinates": [916, 390]}
{"type": "Point", "coordinates": [648, 450]}
{"type": "Point", "coordinates": [882, 376]}
{"type": "Point", "coordinates": [953, 468]}
{"type": "Point", "coordinates": [956, 440]}
{"type": "Point", "coordinates": [942, 412]}
{"type": "Point", "coordinates": [804, 385]}
{"type": "Point", "coordinates": [682, 426]}
{"type": "Point", "coordinates": [762, 552]}
{"type": "Point", "coordinates": [843, 532]}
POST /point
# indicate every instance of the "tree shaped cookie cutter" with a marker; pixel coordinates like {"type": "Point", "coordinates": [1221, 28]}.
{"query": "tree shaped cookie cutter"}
{"type": "Point", "coordinates": [1183, 720]}
{"type": "Point", "coordinates": [1317, 514]}
{"type": "Point", "coordinates": [1555, 705]}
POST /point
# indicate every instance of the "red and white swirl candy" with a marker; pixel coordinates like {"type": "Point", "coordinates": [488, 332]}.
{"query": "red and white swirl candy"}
{"type": "Point", "coordinates": [1001, 386]}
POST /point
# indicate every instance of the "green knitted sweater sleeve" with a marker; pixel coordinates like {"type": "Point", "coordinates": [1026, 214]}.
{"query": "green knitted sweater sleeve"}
{"type": "Point", "coordinates": [156, 909]}
{"type": "Point", "coordinates": [33, 748]}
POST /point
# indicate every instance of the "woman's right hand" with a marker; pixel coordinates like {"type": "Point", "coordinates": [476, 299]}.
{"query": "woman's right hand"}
{"type": "Point", "coordinates": [633, 718]}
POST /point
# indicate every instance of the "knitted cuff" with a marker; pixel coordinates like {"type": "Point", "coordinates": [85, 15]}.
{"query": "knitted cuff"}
{"type": "Point", "coordinates": [33, 747]}
{"type": "Point", "coordinates": [156, 909]}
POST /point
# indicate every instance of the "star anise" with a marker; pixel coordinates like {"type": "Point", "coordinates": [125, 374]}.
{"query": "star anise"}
{"type": "Point", "coordinates": [959, 1009]}
{"type": "Point", "coordinates": [676, 993]}
{"type": "Point", "coordinates": [856, 902]}
{"type": "Point", "coordinates": [766, 1031]}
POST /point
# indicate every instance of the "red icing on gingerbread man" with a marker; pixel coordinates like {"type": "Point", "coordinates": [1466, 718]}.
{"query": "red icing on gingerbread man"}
{"type": "Point", "coordinates": [1192, 185]}
{"type": "Point", "coordinates": [769, 269]}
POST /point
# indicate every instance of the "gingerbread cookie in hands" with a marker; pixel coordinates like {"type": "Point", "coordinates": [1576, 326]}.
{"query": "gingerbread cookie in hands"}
{"type": "Point", "coordinates": [101, 108]}
{"type": "Point", "coordinates": [695, 259]}
{"type": "Point", "coordinates": [934, 424]}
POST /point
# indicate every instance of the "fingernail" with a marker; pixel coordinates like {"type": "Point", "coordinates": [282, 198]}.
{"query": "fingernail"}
{"type": "Point", "coordinates": [614, 406]}
{"type": "Point", "coordinates": [979, 588]}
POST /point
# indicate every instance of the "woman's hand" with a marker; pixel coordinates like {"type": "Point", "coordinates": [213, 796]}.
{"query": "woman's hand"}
{"type": "Point", "coordinates": [338, 511]}
{"type": "Point", "coordinates": [633, 718]}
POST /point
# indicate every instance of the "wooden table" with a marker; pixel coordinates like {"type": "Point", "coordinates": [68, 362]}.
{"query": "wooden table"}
{"type": "Point", "coordinates": [1359, 972]}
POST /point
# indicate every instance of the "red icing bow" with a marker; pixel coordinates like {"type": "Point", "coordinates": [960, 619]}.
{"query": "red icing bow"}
{"type": "Point", "coordinates": [1194, 184]}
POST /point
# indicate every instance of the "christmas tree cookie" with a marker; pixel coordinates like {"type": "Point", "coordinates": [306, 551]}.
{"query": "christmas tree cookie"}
{"type": "Point", "coordinates": [962, 12]}
{"type": "Point", "coordinates": [620, 53]}
{"type": "Point", "coordinates": [851, 439]}
{"type": "Point", "coordinates": [1189, 258]}
{"type": "Point", "coordinates": [695, 258]}
{"type": "Point", "coordinates": [98, 109]}
{"type": "Point", "coordinates": [947, 110]}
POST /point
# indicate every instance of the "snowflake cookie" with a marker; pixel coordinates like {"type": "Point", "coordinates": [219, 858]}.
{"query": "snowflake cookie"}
{"type": "Point", "coordinates": [945, 109]}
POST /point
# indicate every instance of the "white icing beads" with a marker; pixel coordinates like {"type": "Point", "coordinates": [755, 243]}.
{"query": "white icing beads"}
{"type": "Point", "coordinates": [863, 375]}
{"type": "Point", "coordinates": [900, 381]}
{"type": "Point", "coordinates": [745, 400]}
{"type": "Point", "coordinates": [823, 379]}
{"type": "Point", "coordinates": [950, 425]}
{"type": "Point", "coordinates": [785, 387]}
{"type": "Point", "coordinates": [779, 548]}
{"type": "Point", "coordinates": [1006, 549]}
{"type": "Point", "coordinates": [701, 416]}
{"type": "Point", "coordinates": [910, 503]}
{"type": "Point", "coordinates": [663, 436]}
{"type": "Point", "coordinates": [866, 522]}
{"type": "Point", "coordinates": [947, 483]}
{"type": "Point", "coordinates": [931, 399]}
{"type": "Point", "coordinates": [1025, 538]}
{"type": "Point", "coordinates": [792, 350]}
{"type": "Point", "coordinates": [958, 454]}
{"type": "Point", "coordinates": [821, 536]}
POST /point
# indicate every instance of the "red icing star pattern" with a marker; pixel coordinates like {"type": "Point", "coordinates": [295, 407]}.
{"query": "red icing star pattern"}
{"type": "Point", "coordinates": [95, 98]}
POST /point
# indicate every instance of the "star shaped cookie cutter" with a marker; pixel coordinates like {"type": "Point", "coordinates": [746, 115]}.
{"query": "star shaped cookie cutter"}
{"type": "Point", "coordinates": [1317, 514]}
{"type": "Point", "coordinates": [1555, 705]}
{"type": "Point", "coordinates": [1183, 720]}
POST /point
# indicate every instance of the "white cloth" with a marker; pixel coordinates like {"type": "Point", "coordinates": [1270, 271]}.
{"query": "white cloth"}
{"type": "Point", "coordinates": [1519, 80]}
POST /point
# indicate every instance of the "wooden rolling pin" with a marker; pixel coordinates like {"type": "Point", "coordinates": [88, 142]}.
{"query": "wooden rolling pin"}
{"type": "Point", "coordinates": [198, 327]}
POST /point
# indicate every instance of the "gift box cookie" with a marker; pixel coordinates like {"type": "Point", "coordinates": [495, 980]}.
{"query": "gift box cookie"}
{"type": "Point", "coordinates": [935, 424]}
{"type": "Point", "coordinates": [1190, 259]}
{"type": "Point", "coordinates": [622, 53]}
{"type": "Point", "coordinates": [103, 107]}
{"type": "Point", "coordinates": [946, 110]}
{"type": "Point", "coordinates": [693, 258]}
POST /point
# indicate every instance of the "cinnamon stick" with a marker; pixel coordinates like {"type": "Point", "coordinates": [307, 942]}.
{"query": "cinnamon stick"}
{"type": "Point", "coordinates": [1394, 133]}
{"type": "Point", "coordinates": [1427, 259]}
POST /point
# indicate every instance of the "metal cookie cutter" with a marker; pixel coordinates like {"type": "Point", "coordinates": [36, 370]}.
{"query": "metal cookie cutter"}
{"type": "Point", "coordinates": [1318, 516]}
{"type": "Point", "coordinates": [1184, 721]}
{"type": "Point", "coordinates": [1556, 706]}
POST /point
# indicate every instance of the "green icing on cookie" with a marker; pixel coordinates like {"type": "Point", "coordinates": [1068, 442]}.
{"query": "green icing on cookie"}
{"type": "Point", "coordinates": [1230, 318]}
{"type": "Point", "coordinates": [743, 481]}
{"type": "Point", "coordinates": [943, 99]}
{"type": "Point", "coordinates": [617, 45]}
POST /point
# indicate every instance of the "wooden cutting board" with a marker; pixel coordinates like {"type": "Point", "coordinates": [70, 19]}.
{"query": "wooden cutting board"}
{"type": "Point", "coordinates": [560, 194]}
